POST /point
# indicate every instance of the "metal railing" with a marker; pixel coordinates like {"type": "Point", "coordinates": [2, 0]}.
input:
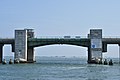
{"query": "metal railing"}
{"type": "Point", "coordinates": [60, 37]}
{"type": "Point", "coordinates": [111, 37]}
{"type": "Point", "coordinates": [67, 37]}
{"type": "Point", "coordinates": [6, 38]}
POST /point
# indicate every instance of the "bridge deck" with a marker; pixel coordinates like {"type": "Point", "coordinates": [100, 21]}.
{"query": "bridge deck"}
{"type": "Point", "coordinates": [72, 41]}
{"type": "Point", "coordinates": [7, 41]}
{"type": "Point", "coordinates": [111, 40]}
{"type": "Point", "coordinates": [61, 40]}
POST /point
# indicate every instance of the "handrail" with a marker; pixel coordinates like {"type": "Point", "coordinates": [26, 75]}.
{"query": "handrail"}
{"type": "Point", "coordinates": [111, 37]}
{"type": "Point", "coordinates": [61, 37]}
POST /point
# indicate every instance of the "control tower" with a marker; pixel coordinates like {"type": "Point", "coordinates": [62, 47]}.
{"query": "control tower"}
{"type": "Point", "coordinates": [21, 46]}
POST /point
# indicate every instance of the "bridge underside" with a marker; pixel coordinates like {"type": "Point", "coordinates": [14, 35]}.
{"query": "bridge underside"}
{"type": "Point", "coordinates": [36, 42]}
{"type": "Point", "coordinates": [43, 42]}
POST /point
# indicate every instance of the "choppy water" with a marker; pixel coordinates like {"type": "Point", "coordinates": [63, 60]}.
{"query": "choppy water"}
{"type": "Point", "coordinates": [60, 68]}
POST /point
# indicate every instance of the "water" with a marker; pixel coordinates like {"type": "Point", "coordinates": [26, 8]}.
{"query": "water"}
{"type": "Point", "coordinates": [60, 68]}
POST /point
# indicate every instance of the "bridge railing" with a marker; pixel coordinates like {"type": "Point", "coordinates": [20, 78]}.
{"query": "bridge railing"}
{"type": "Point", "coordinates": [61, 37]}
{"type": "Point", "coordinates": [111, 37]}
{"type": "Point", "coordinates": [6, 38]}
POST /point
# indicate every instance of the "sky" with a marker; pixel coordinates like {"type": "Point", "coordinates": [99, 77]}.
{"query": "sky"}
{"type": "Point", "coordinates": [60, 18]}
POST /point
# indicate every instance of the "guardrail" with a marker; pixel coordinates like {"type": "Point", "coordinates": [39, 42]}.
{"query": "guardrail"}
{"type": "Point", "coordinates": [6, 38]}
{"type": "Point", "coordinates": [65, 37]}
{"type": "Point", "coordinates": [111, 37]}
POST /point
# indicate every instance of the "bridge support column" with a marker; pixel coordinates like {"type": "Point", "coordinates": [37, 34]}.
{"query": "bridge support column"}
{"type": "Point", "coordinates": [119, 53]}
{"type": "Point", "coordinates": [1, 52]}
{"type": "Point", "coordinates": [21, 44]}
{"type": "Point", "coordinates": [13, 47]}
{"type": "Point", "coordinates": [96, 45]}
{"type": "Point", "coordinates": [30, 55]}
{"type": "Point", "coordinates": [89, 55]}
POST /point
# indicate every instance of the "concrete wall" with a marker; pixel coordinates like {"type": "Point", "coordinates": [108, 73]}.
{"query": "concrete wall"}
{"type": "Point", "coordinates": [30, 50]}
{"type": "Point", "coordinates": [22, 51]}
{"type": "Point", "coordinates": [31, 57]}
{"type": "Point", "coordinates": [96, 43]}
{"type": "Point", "coordinates": [21, 44]}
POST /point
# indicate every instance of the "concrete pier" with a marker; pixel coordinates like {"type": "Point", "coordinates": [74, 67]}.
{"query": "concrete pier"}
{"type": "Point", "coordinates": [89, 55]}
{"type": "Point", "coordinates": [96, 45]}
{"type": "Point", "coordinates": [21, 45]}
{"type": "Point", "coordinates": [30, 55]}
{"type": "Point", "coordinates": [1, 52]}
{"type": "Point", "coordinates": [22, 52]}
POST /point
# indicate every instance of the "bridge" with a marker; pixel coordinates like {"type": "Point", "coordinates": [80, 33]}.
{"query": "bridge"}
{"type": "Point", "coordinates": [24, 43]}
{"type": "Point", "coordinates": [36, 42]}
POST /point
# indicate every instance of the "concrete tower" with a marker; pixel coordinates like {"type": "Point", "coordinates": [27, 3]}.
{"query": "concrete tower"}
{"type": "Point", "coordinates": [30, 50]}
{"type": "Point", "coordinates": [96, 44]}
{"type": "Point", "coordinates": [21, 46]}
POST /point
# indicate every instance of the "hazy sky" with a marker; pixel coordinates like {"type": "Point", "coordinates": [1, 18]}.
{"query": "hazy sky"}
{"type": "Point", "coordinates": [59, 18]}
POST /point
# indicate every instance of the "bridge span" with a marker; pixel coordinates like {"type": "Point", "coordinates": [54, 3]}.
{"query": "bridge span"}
{"type": "Point", "coordinates": [36, 42]}
{"type": "Point", "coordinates": [24, 43]}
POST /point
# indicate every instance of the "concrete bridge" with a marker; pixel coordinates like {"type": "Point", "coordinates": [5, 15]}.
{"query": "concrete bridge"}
{"type": "Point", "coordinates": [24, 43]}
